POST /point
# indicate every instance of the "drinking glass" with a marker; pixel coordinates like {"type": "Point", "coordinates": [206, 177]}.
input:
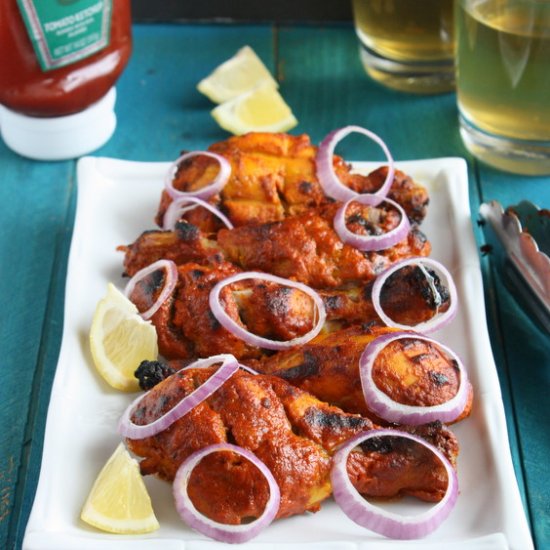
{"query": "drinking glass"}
{"type": "Point", "coordinates": [503, 82]}
{"type": "Point", "coordinates": [407, 44]}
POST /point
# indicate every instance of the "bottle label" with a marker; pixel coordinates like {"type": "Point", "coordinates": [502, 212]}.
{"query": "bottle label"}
{"type": "Point", "coordinates": [65, 31]}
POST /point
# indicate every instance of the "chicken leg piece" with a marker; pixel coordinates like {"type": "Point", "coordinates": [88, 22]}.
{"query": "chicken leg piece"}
{"type": "Point", "coordinates": [411, 371]}
{"type": "Point", "coordinates": [293, 433]}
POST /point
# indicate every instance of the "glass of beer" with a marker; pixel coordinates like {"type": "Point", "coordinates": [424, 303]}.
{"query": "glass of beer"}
{"type": "Point", "coordinates": [407, 45]}
{"type": "Point", "coordinates": [503, 82]}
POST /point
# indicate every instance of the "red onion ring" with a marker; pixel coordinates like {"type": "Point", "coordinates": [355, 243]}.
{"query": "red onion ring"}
{"type": "Point", "coordinates": [177, 208]}
{"type": "Point", "coordinates": [326, 175]}
{"type": "Point", "coordinates": [367, 243]}
{"type": "Point", "coordinates": [385, 407]}
{"type": "Point", "coordinates": [250, 370]}
{"type": "Point", "coordinates": [213, 529]}
{"type": "Point", "coordinates": [377, 519]}
{"type": "Point", "coordinates": [129, 429]}
{"type": "Point", "coordinates": [215, 186]}
{"type": "Point", "coordinates": [435, 323]}
{"type": "Point", "coordinates": [169, 284]}
{"type": "Point", "coordinates": [252, 339]}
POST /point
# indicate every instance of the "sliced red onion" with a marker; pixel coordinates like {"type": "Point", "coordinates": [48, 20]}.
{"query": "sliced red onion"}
{"type": "Point", "coordinates": [326, 175]}
{"type": "Point", "coordinates": [250, 370]}
{"type": "Point", "coordinates": [241, 366]}
{"type": "Point", "coordinates": [252, 339]}
{"type": "Point", "coordinates": [377, 519]}
{"type": "Point", "coordinates": [385, 407]}
{"type": "Point", "coordinates": [170, 282]}
{"type": "Point", "coordinates": [213, 529]}
{"type": "Point", "coordinates": [439, 320]}
{"type": "Point", "coordinates": [179, 206]}
{"type": "Point", "coordinates": [367, 243]}
{"type": "Point", "coordinates": [129, 429]}
{"type": "Point", "coordinates": [205, 192]}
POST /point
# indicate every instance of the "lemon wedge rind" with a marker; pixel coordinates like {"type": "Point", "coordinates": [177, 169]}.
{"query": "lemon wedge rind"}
{"type": "Point", "coordinates": [260, 110]}
{"type": "Point", "coordinates": [120, 339]}
{"type": "Point", "coordinates": [239, 74]}
{"type": "Point", "coordinates": [118, 501]}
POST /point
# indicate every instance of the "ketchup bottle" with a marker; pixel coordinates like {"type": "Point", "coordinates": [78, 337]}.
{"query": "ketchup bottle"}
{"type": "Point", "coordinates": [59, 61]}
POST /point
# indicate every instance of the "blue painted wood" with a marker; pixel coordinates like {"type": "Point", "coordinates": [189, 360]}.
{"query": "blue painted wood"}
{"type": "Point", "coordinates": [159, 113]}
{"type": "Point", "coordinates": [34, 199]}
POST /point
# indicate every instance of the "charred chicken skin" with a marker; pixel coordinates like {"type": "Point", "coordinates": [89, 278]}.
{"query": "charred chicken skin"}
{"type": "Point", "coordinates": [304, 247]}
{"type": "Point", "coordinates": [293, 433]}
{"type": "Point", "coordinates": [274, 176]}
{"type": "Point", "coordinates": [410, 371]}
{"type": "Point", "coordinates": [187, 329]}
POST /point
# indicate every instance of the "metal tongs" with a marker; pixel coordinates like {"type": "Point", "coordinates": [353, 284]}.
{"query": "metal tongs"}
{"type": "Point", "coordinates": [524, 233]}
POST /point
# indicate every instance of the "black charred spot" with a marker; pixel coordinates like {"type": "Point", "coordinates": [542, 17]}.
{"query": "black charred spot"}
{"type": "Point", "coordinates": [197, 274]}
{"type": "Point", "coordinates": [305, 187]}
{"type": "Point", "coordinates": [442, 291]}
{"type": "Point", "coordinates": [427, 431]}
{"type": "Point", "coordinates": [419, 235]}
{"type": "Point", "coordinates": [214, 323]}
{"type": "Point", "coordinates": [332, 302]}
{"type": "Point", "coordinates": [155, 280]}
{"type": "Point", "coordinates": [162, 402]}
{"type": "Point", "coordinates": [382, 445]}
{"type": "Point", "coordinates": [334, 420]}
{"type": "Point", "coordinates": [438, 378]}
{"type": "Point", "coordinates": [139, 413]}
{"type": "Point", "coordinates": [309, 367]}
{"type": "Point", "coordinates": [151, 373]}
{"type": "Point", "coordinates": [187, 231]}
{"type": "Point", "coordinates": [277, 302]}
{"type": "Point", "coordinates": [368, 326]}
{"type": "Point", "coordinates": [369, 227]}
{"type": "Point", "coordinates": [263, 231]}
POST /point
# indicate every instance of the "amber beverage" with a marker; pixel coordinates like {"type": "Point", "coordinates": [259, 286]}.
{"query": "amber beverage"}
{"type": "Point", "coordinates": [503, 72]}
{"type": "Point", "coordinates": [407, 45]}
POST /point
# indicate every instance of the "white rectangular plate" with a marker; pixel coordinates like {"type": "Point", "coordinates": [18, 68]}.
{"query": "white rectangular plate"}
{"type": "Point", "coordinates": [117, 200]}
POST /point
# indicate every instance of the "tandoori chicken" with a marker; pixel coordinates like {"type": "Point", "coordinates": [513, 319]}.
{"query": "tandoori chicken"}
{"type": "Point", "coordinates": [274, 176]}
{"type": "Point", "coordinates": [293, 433]}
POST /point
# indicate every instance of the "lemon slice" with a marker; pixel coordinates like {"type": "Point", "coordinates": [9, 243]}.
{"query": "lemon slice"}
{"type": "Point", "coordinates": [261, 110]}
{"type": "Point", "coordinates": [118, 501]}
{"type": "Point", "coordinates": [240, 74]}
{"type": "Point", "coordinates": [120, 339]}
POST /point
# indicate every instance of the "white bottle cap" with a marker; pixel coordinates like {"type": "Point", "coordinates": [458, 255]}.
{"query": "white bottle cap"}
{"type": "Point", "coordinates": [60, 138]}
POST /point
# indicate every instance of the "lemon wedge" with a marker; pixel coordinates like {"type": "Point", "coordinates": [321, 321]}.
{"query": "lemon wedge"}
{"type": "Point", "coordinates": [119, 501]}
{"type": "Point", "coordinates": [260, 110]}
{"type": "Point", "coordinates": [120, 339]}
{"type": "Point", "coordinates": [239, 74]}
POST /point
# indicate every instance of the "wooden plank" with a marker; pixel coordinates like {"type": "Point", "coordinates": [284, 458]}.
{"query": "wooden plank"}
{"type": "Point", "coordinates": [33, 206]}
{"type": "Point", "coordinates": [159, 110]}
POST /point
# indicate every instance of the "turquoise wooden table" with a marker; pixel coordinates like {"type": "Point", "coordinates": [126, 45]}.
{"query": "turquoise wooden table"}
{"type": "Point", "coordinates": [160, 113]}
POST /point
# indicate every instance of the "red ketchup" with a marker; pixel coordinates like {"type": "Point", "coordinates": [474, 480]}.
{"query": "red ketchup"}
{"type": "Point", "coordinates": [59, 61]}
